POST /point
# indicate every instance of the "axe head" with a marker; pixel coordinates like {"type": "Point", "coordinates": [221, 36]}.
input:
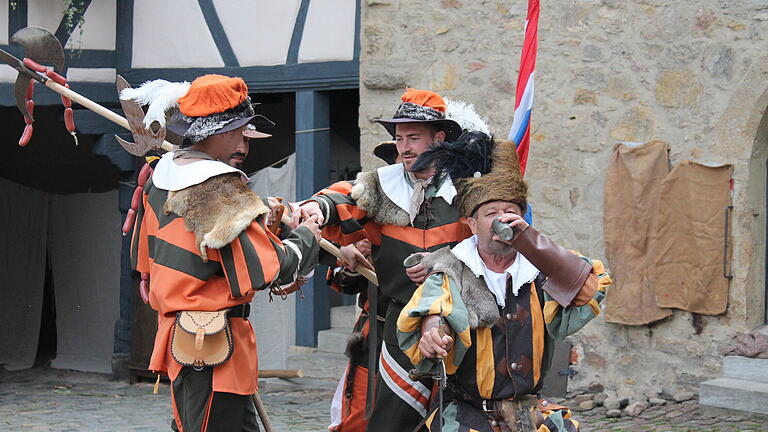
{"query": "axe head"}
{"type": "Point", "coordinates": [144, 139]}
{"type": "Point", "coordinates": [41, 46]}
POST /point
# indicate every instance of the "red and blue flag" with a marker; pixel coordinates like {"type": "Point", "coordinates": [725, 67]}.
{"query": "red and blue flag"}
{"type": "Point", "coordinates": [520, 133]}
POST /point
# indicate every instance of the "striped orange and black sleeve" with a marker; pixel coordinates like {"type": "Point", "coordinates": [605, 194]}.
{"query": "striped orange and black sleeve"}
{"type": "Point", "coordinates": [252, 261]}
{"type": "Point", "coordinates": [257, 258]}
{"type": "Point", "coordinates": [345, 222]}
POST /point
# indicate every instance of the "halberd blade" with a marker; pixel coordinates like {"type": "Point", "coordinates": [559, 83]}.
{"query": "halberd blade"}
{"type": "Point", "coordinates": [41, 46]}
{"type": "Point", "coordinates": [145, 139]}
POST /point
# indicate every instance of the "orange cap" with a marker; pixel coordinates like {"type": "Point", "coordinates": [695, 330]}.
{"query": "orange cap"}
{"type": "Point", "coordinates": [424, 98]}
{"type": "Point", "coordinates": [210, 94]}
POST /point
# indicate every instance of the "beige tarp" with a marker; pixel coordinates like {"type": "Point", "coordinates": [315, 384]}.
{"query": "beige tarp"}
{"type": "Point", "coordinates": [688, 243]}
{"type": "Point", "coordinates": [631, 207]}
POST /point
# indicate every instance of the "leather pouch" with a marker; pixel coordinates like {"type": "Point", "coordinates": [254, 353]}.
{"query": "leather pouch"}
{"type": "Point", "coordinates": [201, 338]}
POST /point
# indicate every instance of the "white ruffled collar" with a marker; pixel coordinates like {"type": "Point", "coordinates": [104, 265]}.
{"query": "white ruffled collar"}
{"type": "Point", "coordinates": [173, 177]}
{"type": "Point", "coordinates": [397, 188]}
{"type": "Point", "coordinates": [521, 270]}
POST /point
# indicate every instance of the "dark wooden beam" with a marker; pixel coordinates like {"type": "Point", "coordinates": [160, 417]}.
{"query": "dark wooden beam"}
{"type": "Point", "coordinates": [63, 31]}
{"type": "Point", "coordinates": [298, 32]}
{"type": "Point", "coordinates": [18, 12]}
{"type": "Point", "coordinates": [312, 153]}
{"type": "Point", "coordinates": [218, 33]}
{"type": "Point", "coordinates": [279, 78]}
{"type": "Point", "coordinates": [124, 36]}
{"type": "Point", "coordinates": [358, 11]}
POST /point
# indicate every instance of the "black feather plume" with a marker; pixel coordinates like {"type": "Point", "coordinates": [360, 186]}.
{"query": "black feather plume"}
{"type": "Point", "coordinates": [469, 154]}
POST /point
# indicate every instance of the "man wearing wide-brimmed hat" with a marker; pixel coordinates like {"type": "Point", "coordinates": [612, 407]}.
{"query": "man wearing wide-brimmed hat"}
{"type": "Point", "coordinates": [401, 212]}
{"type": "Point", "coordinates": [201, 236]}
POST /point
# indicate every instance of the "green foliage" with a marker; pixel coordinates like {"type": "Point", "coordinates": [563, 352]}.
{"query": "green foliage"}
{"type": "Point", "coordinates": [74, 15]}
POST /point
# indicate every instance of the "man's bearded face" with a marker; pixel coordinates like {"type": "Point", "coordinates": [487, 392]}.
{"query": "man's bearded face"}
{"type": "Point", "coordinates": [237, 158]}
{"type": "Point", "coordinates": [229, 147]}
{"type": "Point", "coordinates": [412, 139]}
{"type": "Point", "coordinates": [481, 223]}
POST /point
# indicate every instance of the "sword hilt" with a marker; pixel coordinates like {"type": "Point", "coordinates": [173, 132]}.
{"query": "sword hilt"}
{"type": "Point", "coordinates": [416, 375]}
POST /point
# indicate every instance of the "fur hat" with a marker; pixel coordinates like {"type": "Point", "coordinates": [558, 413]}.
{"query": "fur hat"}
{"type": "Point", "coordinates": [503, 183]}
{"type": "Point", "coordinates": [210, 105]}
{"type": "Point", "coordinates": [422, 106]}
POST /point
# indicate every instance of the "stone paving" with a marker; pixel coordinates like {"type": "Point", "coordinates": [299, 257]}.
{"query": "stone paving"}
{"type": "Point", "coordinates": [686, 416]}
{"type": "Point", "coordinates": [44, 399]}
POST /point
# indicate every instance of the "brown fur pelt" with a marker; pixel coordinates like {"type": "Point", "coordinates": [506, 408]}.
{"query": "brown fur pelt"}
{"type": "Point", "coordinates": [216, 210]}
{"type": "Point", "coordinates": [369, 196]}
{"type": "Point", "coordinates": [479, 300]}
{"type": "Point", "coordinates": [357, 348]}
{"type": "Point", "coordinates": [503, 183]}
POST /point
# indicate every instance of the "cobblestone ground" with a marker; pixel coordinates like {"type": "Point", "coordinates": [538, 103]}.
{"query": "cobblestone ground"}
{"type": "Point", "coordinates": [686, 416]}
{"type": "Point", "coordinates": [44, 399]}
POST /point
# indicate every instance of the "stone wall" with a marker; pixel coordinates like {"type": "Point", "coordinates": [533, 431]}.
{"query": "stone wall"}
{"type": "Point", "coordinates": [691, 73]}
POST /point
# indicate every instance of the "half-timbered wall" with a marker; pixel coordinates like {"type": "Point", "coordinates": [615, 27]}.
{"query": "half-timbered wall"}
{"type": "Point", "coordinates": [284, 45]}
{"type": "Point", "coordinates": [295, 50]}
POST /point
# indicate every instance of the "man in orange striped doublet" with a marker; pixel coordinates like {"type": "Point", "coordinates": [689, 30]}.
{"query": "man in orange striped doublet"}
{"type": "Point", "coordinates": [401, 212]}
{"type": "Point", "coordinates": [200, 233]}
{"type": "Point", "coordinates": [350, 400]}
{"type": "Point", "coordinates": [505, 296]}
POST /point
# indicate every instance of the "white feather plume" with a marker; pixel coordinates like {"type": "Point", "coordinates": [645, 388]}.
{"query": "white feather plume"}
{"type": "Point", "coordinates": [465, 115]}
{"type": "Point", "coordinates": [160, 95]}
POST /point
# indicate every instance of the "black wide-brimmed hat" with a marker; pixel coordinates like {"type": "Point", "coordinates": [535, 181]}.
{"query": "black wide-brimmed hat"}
{"type": "Point", "coordinates": [422, 106]}
{"type": "Point", "coordinates": [386, 151]}
{"type": "Point", "coordinates": [195, 129]}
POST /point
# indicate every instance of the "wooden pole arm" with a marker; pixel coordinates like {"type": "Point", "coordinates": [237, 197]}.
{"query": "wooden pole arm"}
{"type": "Point", "coordinates": [333, 250]}
{"type": "Point", "coordinates": [98, 109]}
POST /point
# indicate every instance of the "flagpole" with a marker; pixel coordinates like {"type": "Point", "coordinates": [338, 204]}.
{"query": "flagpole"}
{"type": "Point", "coordinates": [521, 123]}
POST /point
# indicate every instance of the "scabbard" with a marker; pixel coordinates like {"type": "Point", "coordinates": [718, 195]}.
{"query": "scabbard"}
{"type": "Point", "coordinates": [440, 398]}
{"type": "Point", "coordinates": [373, 346]}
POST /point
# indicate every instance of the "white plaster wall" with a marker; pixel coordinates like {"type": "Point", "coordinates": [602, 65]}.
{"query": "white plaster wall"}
{"type": "Point", "coordinates": [172, 34]}
{"type": "Point", "coordinates": [106, 75]}
{"type": "Point", "coordinates": [259, 31]}
{"type": "Point", "coordinates": [329, 31]}
{"type": "Point", "coordinates": [45, 13]}
{"type": "Point", "coordinates": [3, 22]}
{"type": "Point", "coordinates": [99, 29]}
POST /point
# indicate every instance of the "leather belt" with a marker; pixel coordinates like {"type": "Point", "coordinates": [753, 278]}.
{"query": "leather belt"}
{"type": "Point", "coordinates": [240, 311]}
{"type": "Point", "coordinates": [488, 405]}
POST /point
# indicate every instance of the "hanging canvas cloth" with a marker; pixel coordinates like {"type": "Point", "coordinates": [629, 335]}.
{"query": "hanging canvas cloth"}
{"type": "Point", "coordinates": [688, 244]}
{"type": "Point", "coordinates": [630, 212]}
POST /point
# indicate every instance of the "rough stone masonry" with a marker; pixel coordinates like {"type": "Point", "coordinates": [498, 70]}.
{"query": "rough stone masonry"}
{"type": "Point", "coordinates": [691, 73]}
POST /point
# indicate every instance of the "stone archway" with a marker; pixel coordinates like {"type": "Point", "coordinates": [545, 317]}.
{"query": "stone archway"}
{"type": "Point", "coordinates": [741, 138]}
{"type": "Point", "coordinates": [758, 201]}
